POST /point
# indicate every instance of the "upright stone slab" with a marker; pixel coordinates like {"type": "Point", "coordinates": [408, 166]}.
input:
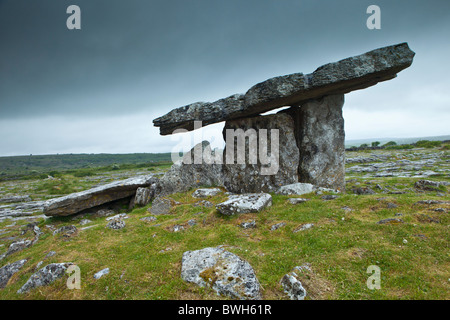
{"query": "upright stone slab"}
{"type": "Point", "coordinates": [247, 166]}
{"type": "Point", "coordinates": [319, 131]}
{"type": "Point", "coordinates": [198, 168]}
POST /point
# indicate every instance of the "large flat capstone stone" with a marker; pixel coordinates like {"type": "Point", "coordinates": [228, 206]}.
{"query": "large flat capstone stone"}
{"type": "Point", "coordinates": [79, 201]}
{"type": "Point", "coordinates": [340, 77]}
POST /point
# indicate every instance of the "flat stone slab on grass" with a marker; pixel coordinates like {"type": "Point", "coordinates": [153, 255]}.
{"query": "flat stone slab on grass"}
{"type": "Point", "coordinates": [223, 271]}
{"type": "Point", "coordinates": [204, 193]}
{"type": "Point", "coordinates": [76, 202]}
{"type": "Point", "coordinates": [296, 189]}
{"type": "Point", "coordinates": [45, 276]}
{"type": "Point", "coordinates": [245, 203]}
{"type": "Point", "coordinates": [9, 270]}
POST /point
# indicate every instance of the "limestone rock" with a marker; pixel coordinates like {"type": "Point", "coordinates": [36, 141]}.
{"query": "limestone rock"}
{"type": "Point", "coordinates": [223, 271]}
{"type": "Point", "coordinates": [9, 270]}
{"type": "Point", "coordinates": [101, 273]}
{"type": "Point", "coordinates": [245, 203]}
{"type": "Point", "coordinates": [16, 247]}
{"type": "Point", "coordinates": [340, 77]}
{"type": "Point", "coordinates": [162, 205]}
{"type": "Point", "coordinates": [292, 285]}
{"type": "Point", "coordinates": [297, 200]}
{"type": "Point", "coordinates": [116, 224]}
{"type": "Point", "coordinates": [320, 135]}
{"type": "Point", "coordinates": [207, 112]}
{"type": "Point", "coordinates": [76, 202]}
{"type": "Point", "coordinates": [45, 276]}
{"type": "Point", "coordinates": [297, 188]}
{"type": "Point", "coordinates": [261, 153]}
{"type": "Point", "coordinates": [205, 193]}
{"type": "Point", "coordinates": [197, 168]}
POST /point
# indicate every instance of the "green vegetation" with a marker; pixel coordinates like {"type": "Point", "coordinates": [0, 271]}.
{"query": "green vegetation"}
{"type": "Point", "coordinates": [31, 167]}
{"type": "Point", "coordinates": [428, 144]}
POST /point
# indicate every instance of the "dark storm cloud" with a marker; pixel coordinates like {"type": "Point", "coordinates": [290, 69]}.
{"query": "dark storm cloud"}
{"type": "Point", "coordinates": [146, 57]}
{"type": "Point", "coordinates": [152, 54]}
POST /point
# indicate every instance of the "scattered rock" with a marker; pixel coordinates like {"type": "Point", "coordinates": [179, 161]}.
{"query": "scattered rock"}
{"type": "Point", "coordinates": [297, 200]}
{"type": "Point", "coordinates": [277, 226]}
{"type": "Point", "coordinates": [432, 202]}
{"type": "Point", "coordinates": [296, 189]}
{"type": "Point", "coordinates": [391, 205]}
{"type": "Point", "coordinates": [118, 216]}
{"type": "Point", "coordinates": [248, 224]}
{"type": "Point", "coordinates": [203, 203]}
{"type": "Point", "coordinates": [162, 205]}
{"type": "Point", "coordinates": [45, 276]}
{"type": "Point", "coordinates": [303, 227]}
{"type": "Point", "coordinates": [177, 228]}
{"type": "Point", "coordinates": [390, 221]}
{"type": "Point", "coordinates": [101, 273]}
{"type": "Point", "coordinates": [329, 197]}
{"type": "Point", "coordinates": [66, 231]}
{"type": "Point", "coordinates": [9, 270]}
{"type": "Point", "coordinates": [427, 185]}
{"type": "Point", "coordinates": [16, 247]}
{"type": "Point", "coordinates": [144, 195]}
{"type": "Point", "coordinates": [85, 222]}
{"type": "Point", "coordinates": [245, 203]}
{"type": "Point", "coordinates": [205, 193]}
{"type": "Point", "coordinates": [292, 286]}
{"type": "Point", "coordinates": [148, 219]}
{"type": "Point", "coordinates": [223, 271]}
{"type": "Point", "coordinates": [192, 222]}
{"type": "Point", "coordinates": [116, 224]}
{"type": "Point", "coordinates": [104, 213]}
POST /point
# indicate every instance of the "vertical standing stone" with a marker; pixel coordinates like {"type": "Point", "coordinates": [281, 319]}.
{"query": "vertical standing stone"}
{"type": "Point", "coordinates": [261, 153]}
{"type": "Point", "coordinates": [320, 138]}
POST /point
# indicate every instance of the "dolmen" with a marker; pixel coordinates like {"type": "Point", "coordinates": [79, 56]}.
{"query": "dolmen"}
{"type": "Point", "coordinates": [301, 143]}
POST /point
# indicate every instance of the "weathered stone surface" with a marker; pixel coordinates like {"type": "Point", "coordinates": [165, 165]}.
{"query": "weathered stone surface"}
{"type": "Point", "coordinates": [428, 185]}
{"type": "Point", "coordinates": [223, 271]}
{"type": "Point", "coordinates": [144, 196]}
{"type": "Point", "coordinates": [9, 270]}
{"type": "Point", "coordinates": [116, 224]}
{"type": "Point", "coordinates": [197, 168]}
{"type": "Point", "coordinates": [205, 193]}
{"type": "Point", "coordinates": [101, 273]}
{"type": "Point", "coordinates": [340, 77]}
{"type": "Point", "coordinates": [162, 205]}
{"type": "Point", "coordinates": [14, 199]}
{"type": "Point", "coordinates": [297, 188]}
{"type": "Point", "coordinates": [79, 201]}
{"type": "Point", "coordinates": [320, 135]}
{"type": "Point", "coordinates": [292, 285]}
{"type": "Point", "coordinates": [16, 247]}
{"type": "Point", "coordinates": [207, 112]}
{"type": "Point", "coordinates": [245, 203]}
{"type": "Point", "coordinates": [256, 160]}
{"type": "Point", "coordinates": [45, 276]}
{"type": "Point", "coordinates": [297, 200]}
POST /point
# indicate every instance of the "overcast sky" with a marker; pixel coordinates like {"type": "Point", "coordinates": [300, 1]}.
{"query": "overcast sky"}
{"type": "Point", "coordinates": [97, 90]}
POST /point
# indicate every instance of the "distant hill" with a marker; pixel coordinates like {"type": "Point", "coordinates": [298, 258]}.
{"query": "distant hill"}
{"type": "Point", "coordinates": [358, 142]}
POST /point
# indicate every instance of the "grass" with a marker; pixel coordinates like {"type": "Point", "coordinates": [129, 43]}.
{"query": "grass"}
{"type": "Point", "coordinates": [145, 257]}
{"type": "Point", "coordinates": [339, 247]}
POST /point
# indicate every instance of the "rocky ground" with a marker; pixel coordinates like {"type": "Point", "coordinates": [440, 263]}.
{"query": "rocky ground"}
{"type": "Point", "coordinates": [393, 214]}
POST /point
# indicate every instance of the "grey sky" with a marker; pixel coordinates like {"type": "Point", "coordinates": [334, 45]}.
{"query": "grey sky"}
{"type": "Point", "coordinates": [99, 88]}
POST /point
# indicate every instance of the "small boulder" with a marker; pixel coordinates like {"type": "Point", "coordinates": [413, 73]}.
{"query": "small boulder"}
{"type": "Point", "coordinates": [45, 276]}
{"type": "Point", "coordinates": [162, 205]}
{"type": "Point", "coordinates": [223, 271]}
{"type": "Point", "coordinates": [245, 203]}
{"type": "Point", "coordinates": [205, 193]}
{"type": "Point", "coordinates": [101, 273]}
{"type": "Point", "coordinates": [297, 200]}
{"type": "Point", "coordinates": [9, 270]}
{"type": "Point", "coordinates": [116, 224]}
{"type": "Point", "coordinates": [296, 189]}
